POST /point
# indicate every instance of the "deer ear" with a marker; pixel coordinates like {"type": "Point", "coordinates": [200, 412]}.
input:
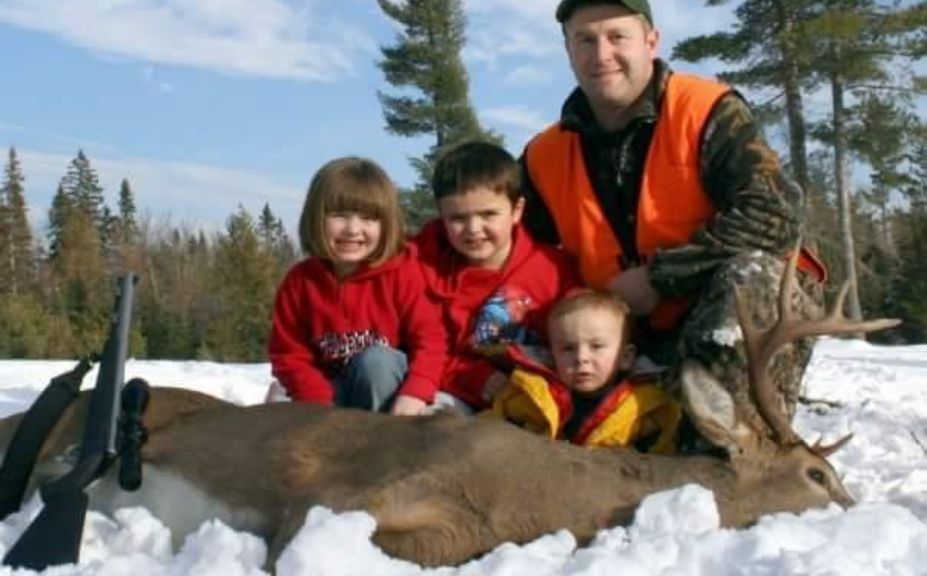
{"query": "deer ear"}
{"type": "Point", "coordinates": [712, 409]}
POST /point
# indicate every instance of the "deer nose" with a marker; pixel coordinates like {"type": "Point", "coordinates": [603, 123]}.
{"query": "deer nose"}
{"type": "Point", "coordinates": [843, 497]}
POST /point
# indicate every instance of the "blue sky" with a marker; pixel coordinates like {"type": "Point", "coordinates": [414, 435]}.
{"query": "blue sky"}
{"type": "Point", "coordinates": [207, 104]}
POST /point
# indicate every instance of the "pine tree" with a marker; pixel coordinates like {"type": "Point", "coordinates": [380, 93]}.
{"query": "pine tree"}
{"type": "Point", "coordinates": [6, 237]}
{"type": "Point", "coordinates": [906, 297]}
{"type": "Point", "coordinates": [275, 240]}
{"type": "Point", "coordinates": [879, 136]}
{"type": "Point", "coordinates": [852, 44]}
{"type": "Point", "coordinates": [426, 58]}
{"type": "Point", "coordinates": [61, 207]}
{"type": "Point", "coordinates": [127, 226]}
{"type": "Point", "coordinates": [18, 253]}
{"type": "Point", "coordinates": [125, 250]}
{"type": "Point", "coordinates": [83, 294]}
{"type": "Point", "coordinates": [244, 283]}
{"type": "Point", "coordinates": [77, 218]}
{"type": "Point", "coordinates": [765, 41]}
{"type": "Point", "coordinates": [82, 186]}
{"type": "Point", "coordinates": [177, 306]}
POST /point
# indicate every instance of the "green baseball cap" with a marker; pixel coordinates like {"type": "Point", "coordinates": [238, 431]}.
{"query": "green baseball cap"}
{"type": "Point", "coordinates": [566, 7]}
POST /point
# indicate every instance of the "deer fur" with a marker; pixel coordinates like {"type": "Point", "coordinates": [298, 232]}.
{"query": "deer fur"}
{"type": "Point", "coordinates": [443, 488]}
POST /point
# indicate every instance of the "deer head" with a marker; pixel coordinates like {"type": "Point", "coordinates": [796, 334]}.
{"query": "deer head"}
{"type": "Point", "coordinates": [771, 456]}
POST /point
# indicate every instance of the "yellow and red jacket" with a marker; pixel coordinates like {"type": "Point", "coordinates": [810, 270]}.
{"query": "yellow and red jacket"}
{"type": "Point", "coordinates": [536, 400]}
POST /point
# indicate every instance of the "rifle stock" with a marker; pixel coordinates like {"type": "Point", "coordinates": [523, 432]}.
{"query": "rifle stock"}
{"type": "Point", "coordinates": [33, 429]}
{"type": "Point", "coordinates": [54, 536]}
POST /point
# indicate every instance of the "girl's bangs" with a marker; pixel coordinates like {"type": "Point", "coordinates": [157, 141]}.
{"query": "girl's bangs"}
{"type": "Point", "coordinates": [367, 200]}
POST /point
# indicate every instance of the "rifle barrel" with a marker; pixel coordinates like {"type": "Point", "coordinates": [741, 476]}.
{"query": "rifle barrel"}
{"type": "Point", "coordinates": [103, 413]}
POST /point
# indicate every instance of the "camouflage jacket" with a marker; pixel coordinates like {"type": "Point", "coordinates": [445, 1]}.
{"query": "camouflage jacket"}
{"type": "Point", "coordinates": [758, 206]}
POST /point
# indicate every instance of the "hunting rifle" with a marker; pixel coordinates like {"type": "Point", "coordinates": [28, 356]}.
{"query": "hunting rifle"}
{"type": "Point", "coordinates": [54, 536]}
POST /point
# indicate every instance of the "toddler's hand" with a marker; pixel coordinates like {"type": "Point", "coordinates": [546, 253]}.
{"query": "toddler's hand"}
{"type": "Point", "coordinates": [494, 385]}
{"type": "Point", "coordinates": [408, 406]}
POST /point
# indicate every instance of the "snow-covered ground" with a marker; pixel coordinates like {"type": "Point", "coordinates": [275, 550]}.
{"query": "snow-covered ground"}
{"type": "Point", "coordinates": [882, 398]}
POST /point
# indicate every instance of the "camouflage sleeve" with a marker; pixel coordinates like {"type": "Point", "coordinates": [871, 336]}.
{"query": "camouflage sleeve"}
{"type": "Point", "coordinates": [758, 206]}
{"type": "Point", "coordinates": [537, 218]}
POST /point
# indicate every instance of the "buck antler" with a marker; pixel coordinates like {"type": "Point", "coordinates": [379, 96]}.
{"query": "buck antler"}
{"type": "Point", "coordinates": [762, 344]}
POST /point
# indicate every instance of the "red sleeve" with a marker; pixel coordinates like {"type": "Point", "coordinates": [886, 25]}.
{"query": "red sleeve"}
{"type": "Point", "coordinates": [423, 336]}
{"type": "Point", "coordinates": [466, 376]}
{"type": "Point", "coordinates": [292, 359]}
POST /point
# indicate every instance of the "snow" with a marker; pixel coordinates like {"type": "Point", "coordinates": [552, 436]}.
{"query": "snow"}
{"type": "Point", "coordinates": [878, 393]}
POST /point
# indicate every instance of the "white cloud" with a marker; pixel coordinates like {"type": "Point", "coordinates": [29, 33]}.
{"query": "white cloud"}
{"type": "Point", "coordinates": [267, 38]}
{"type": "Point", "coordinates": [511, 28]}
{"type": "Point", "coordinates": [490, 42]}
{"type": "Point", "coordinates": [529, 29]}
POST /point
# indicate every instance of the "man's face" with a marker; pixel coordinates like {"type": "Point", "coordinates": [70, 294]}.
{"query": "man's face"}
{"type": "Point", "coordinates": [611, 53]}
{"type": "Point", "coordinates": [479, 225]}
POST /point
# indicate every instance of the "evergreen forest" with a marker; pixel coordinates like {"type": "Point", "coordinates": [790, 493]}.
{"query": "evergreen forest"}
{"type": "Point", "coordinates": [209, 296]}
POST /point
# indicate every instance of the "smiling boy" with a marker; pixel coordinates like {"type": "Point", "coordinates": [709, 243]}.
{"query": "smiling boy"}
{"type": "Point", "coordinates": [494, 282]}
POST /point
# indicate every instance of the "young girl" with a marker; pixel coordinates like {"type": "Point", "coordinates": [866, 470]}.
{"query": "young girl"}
{"type": "Point", "coordinates": [352, 325]}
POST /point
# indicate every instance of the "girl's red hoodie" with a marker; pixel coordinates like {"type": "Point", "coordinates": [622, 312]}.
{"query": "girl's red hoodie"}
{"type": "Point", "coordinates": [320, 322]}
{"type": "Point", "coordinates": [534, 277]}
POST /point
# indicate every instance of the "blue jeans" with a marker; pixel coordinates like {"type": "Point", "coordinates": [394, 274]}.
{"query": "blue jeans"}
{"type": "Point", "coordinates": [370, 379]}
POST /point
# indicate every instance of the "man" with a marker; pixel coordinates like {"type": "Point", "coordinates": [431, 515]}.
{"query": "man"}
{"type": "Point", "coordinates": [662, 186]}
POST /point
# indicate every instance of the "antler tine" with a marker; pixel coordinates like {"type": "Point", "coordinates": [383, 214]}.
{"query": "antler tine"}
{"type": "Point", "coordinates": [762, 344]}
{"type": "Point", "coordinates": [837, 323]}
{"type": "Point", "coordinates": [826, 450]}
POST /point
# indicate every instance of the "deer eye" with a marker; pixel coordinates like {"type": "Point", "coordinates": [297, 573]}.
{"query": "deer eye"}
{"type": "Point", "coordinates": [817, 476]}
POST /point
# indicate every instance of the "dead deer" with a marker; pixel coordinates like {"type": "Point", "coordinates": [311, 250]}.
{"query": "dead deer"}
{"type": "Point", "coordinates": [446, 488]}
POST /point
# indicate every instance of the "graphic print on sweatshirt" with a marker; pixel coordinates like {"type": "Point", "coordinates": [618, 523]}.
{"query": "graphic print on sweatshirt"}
{"type": "Point", "coordinates": [500, 321]}
{"type": "Point", "coordinates": [339, 347]}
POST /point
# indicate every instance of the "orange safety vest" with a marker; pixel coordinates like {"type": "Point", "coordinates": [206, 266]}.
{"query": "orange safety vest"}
{"type": "Point", "coordinates": [673, 203]}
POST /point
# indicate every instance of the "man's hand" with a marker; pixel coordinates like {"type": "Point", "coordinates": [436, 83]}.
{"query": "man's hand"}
{"type": "Point", "coordinates": [494, 385]}
{"type": "Point", "coordinates": [408, 406]}
{"type": "Point", "coordinates": [633, 286]}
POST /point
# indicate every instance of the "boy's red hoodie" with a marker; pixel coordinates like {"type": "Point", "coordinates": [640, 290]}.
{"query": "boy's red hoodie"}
{"type": "Point", "coordinates": [320, 322]}
{"type": "Point", "coordinates": [533, 278]}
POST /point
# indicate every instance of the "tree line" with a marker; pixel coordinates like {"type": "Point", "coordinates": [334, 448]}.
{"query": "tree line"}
{"type": "Point", "coordinates": [199, 296]}
{"type": "Point", "coordinates": [204, 296]}
{"type": "Point", "coordinates": [863, 57]}
{"type": "Point", "coordinates": [209, 296]}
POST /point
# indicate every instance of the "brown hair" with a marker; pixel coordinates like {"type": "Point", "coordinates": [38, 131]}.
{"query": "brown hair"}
{"type": "Point", "coordinates": [588, 299]}
{"type": "Point", "coordinates": [351, 184]}
{"type": "Point", "coordinates": [475, 164]}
